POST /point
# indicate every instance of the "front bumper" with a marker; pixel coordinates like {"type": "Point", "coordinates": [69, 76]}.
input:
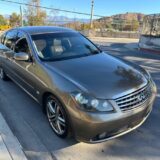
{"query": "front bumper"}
{"type": "Point", "coordinates": [99, 127]}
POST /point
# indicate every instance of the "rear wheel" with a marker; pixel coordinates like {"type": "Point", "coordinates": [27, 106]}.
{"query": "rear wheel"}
{"type": "Point", "coordinates": [3, 76]}
{"type": "Point", "coordinates": [57, 117]}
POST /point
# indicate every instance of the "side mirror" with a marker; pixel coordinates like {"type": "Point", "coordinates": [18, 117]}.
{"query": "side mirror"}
{"type": "Point", "coordinates": [21, 56]}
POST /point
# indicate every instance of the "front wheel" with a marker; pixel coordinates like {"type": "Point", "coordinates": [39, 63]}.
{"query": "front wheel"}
{"type": "Point", "coordinates": [57, 117]}
{"type": "Point", "coordinates": [3, 76]}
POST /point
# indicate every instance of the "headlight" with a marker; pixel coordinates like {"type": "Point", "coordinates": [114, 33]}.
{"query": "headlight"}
{"type": "Point", "coordinates": [91, 104]}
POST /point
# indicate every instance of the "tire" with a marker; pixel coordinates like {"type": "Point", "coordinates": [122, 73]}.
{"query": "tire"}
{"type": "Point", "coordinates": [57, 117]}
{"type": "Point", "coordinates": [3, 75]}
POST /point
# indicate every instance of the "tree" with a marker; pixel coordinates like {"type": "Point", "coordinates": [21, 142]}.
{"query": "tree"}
{"type": "Point", "coordinates": [35, 15]}
{"type": "Point", "coordinates": [3, 21]}
{"type": "Point", "coordinates": [135, 25]}
{"type": "Point", "coordinates": [127, 25]}
{"type": "Point", "coordinates": [14, 19]}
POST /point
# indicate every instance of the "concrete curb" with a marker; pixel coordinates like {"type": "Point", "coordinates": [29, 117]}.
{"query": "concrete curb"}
{"type": "Point", "coordinates": [9, 144]}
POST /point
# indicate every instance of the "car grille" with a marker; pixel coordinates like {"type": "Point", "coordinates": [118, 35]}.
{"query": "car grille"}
{"type": "Point", "coordinates": [135, 99]}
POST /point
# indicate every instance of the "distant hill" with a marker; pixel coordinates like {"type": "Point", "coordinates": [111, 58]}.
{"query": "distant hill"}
{"type": "Point", "coordinates": [65, 19]}
{"type": "Point", "coordinates": [126, 16]}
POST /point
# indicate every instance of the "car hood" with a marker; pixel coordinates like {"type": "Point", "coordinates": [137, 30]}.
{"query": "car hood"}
{"type": "Point", "coordinates": [101, 75]}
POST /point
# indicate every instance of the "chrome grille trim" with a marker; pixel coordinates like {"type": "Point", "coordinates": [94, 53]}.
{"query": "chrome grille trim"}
{"type": "Point", "coordinates": [135, 99]}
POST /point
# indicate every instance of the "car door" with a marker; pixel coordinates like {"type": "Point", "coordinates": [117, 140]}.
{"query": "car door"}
{"type": "Point", "coordinates": [23, 70]}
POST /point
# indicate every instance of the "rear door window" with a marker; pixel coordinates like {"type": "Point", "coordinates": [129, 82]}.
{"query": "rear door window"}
{"type": "Point", "coordinates": [10, 39]}
{"type": "Point", "coordinates": [2, 38]}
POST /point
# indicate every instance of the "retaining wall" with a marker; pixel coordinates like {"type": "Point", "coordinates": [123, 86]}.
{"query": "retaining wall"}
{"type": "Point", "coordinates": [150, 43]}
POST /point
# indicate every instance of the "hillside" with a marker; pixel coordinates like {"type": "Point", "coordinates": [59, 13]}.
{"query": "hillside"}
{"type": "Point", "coordinates": [126, 16]}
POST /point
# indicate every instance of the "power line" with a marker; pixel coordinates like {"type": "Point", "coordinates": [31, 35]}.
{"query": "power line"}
{"type": "Point", "coordinates": [49, 8]}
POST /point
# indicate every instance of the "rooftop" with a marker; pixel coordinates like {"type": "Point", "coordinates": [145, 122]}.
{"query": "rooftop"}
{"type": "Point", "coordinates": [44, 29]}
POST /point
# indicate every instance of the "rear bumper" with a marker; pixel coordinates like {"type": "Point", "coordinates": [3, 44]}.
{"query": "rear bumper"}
{"type": "Point", "coordinates": [96, 127]}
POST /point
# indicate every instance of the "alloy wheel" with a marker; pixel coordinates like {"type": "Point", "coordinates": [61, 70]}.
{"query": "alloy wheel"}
{"type": "Point", "coordinates": [56, 117]}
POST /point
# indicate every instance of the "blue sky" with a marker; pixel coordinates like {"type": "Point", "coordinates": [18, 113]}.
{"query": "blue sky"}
{"type": "Point", "coordinates": [102, 7]}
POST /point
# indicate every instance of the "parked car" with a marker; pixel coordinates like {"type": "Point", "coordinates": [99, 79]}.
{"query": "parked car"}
{"type": "Point", "coordinates": [84, 92]}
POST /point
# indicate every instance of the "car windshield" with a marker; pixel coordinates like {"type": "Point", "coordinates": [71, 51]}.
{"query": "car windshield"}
{"type": "Point", "coordinates": [60, 46]}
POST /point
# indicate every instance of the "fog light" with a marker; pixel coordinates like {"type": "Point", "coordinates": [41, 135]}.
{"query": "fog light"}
{"type": "Point", "coordinates": [103, 135]}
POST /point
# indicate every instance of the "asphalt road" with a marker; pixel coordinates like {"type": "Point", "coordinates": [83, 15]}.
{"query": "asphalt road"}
{"type": "Point", "coordinates": [30, 125]}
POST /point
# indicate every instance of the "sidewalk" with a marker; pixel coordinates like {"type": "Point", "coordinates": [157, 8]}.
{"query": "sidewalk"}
{"type": "Point", "coordinates": [10, 148]}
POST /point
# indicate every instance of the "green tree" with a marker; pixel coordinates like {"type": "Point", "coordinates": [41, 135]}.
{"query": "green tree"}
{"type": "Point", "coordinates": [85, 26]}
{"type": "Point", "coordinates": [109, 26]}
{"type": "Point", "coordinates": [127, 25]}
{"type": "Point", "coordinates": [34, 15]}
{"type": "Point", "coordinates": [14, 19]}
{"type": "Point", "coordinates": [3, 21]}
{"type": "Point", "coordinates": [135, 25]}
{"type": "Point", "coordinates": [131, 25]}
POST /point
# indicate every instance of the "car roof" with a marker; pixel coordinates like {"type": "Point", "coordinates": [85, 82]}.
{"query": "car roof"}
{"type": "Point", "coordinates": [43, 29]}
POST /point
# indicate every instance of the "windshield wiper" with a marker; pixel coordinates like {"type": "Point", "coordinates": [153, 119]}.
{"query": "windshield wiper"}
{"type": "Point", "coordinates": [92, 50]}
{"type": "Point", "coordinates": [96, 52]}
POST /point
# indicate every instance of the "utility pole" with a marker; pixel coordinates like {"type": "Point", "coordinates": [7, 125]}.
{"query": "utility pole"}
{"type": "Point", "coordinates": [21, 16]}
{"type": "Point", "coordinates": [37, 4]}
{"type": "Point", "coordinates": [38, 9]}
{"type": "Point", "coordinates": [92, 10]}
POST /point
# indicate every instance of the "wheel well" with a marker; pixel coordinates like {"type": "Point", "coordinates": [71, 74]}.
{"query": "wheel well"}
{"type": "Point", "coordinates": [45, 95]}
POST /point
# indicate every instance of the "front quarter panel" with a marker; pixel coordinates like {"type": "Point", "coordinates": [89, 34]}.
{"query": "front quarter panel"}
{"type": "Point", "coordinates": [50, 81]}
